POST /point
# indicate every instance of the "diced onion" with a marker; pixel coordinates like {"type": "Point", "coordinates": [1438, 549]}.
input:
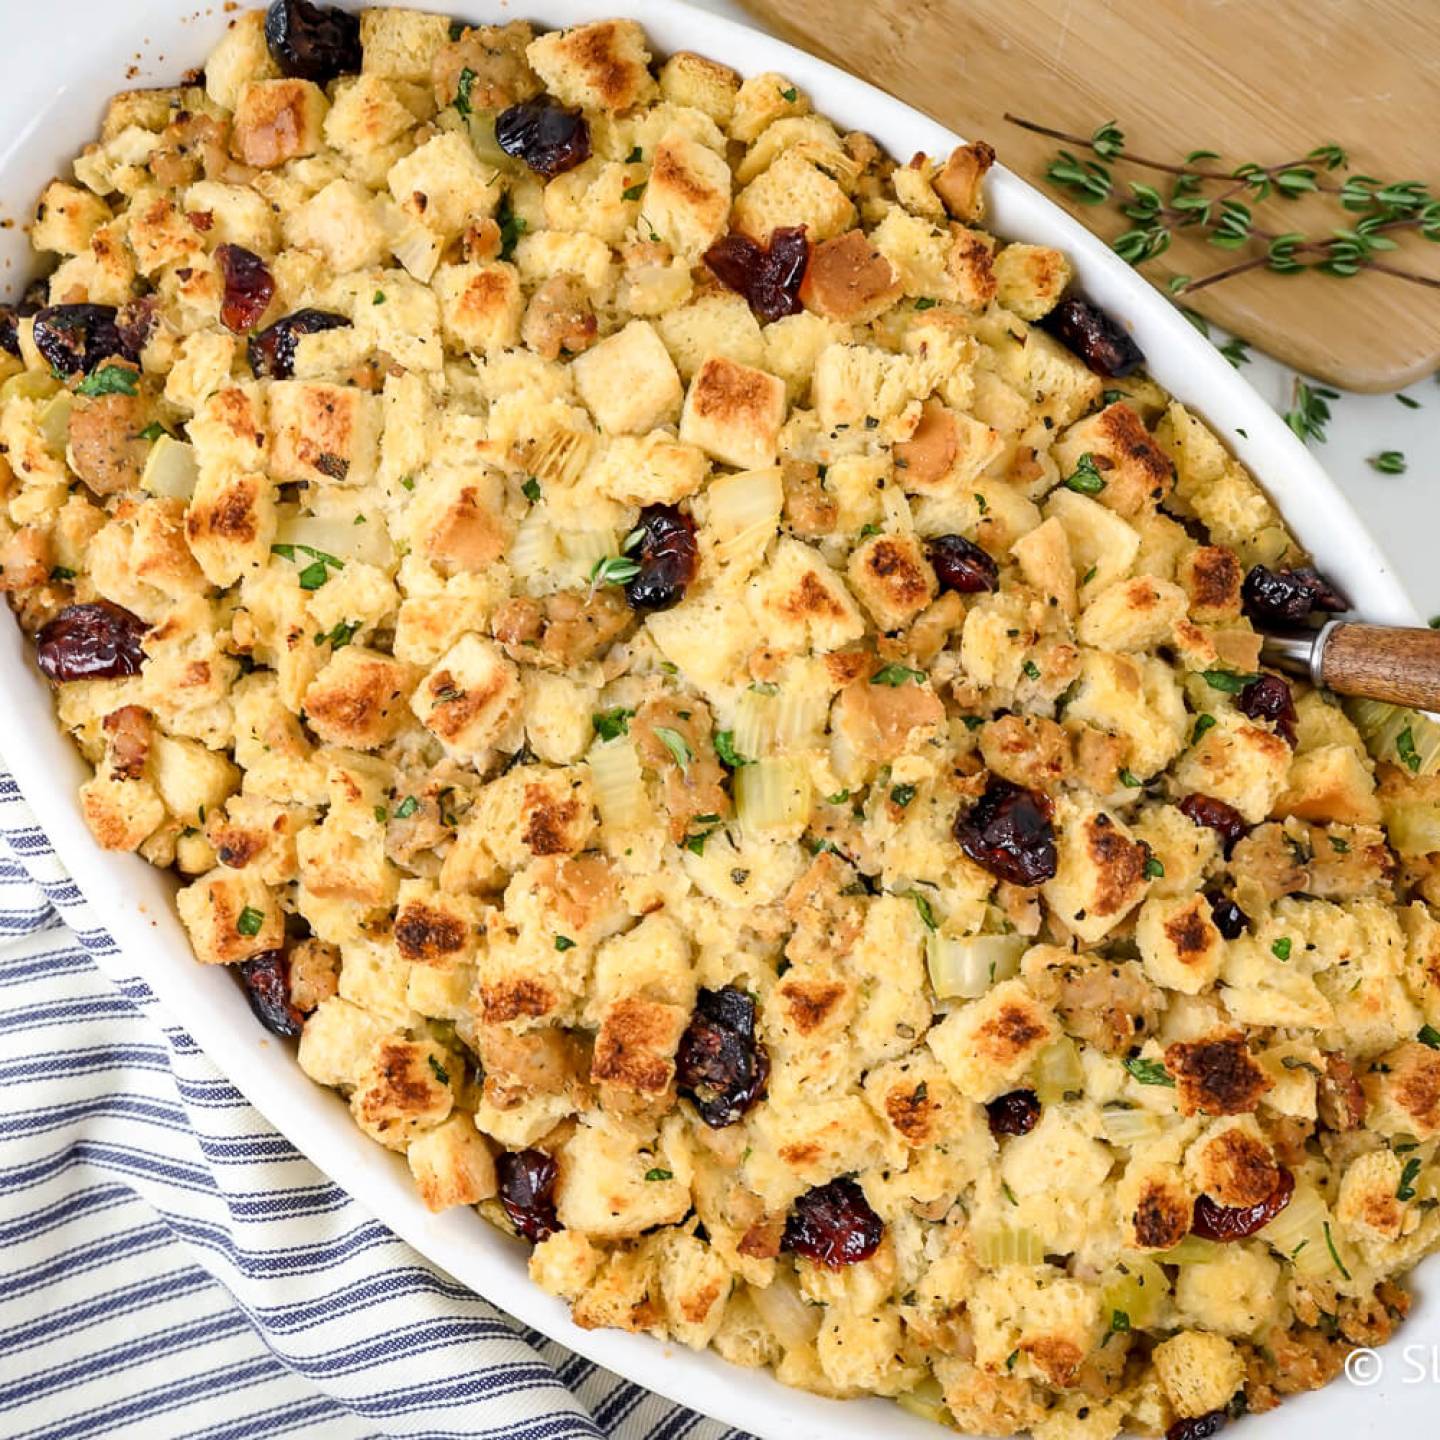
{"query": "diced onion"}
{"type": "Point", "coordinates": [619, 786]}
{"type": "Point", "coordinates": [792, 1322]}
{"type": "Point", "coordinates": [337, 535]}
{"type": "Point", "coordinates": [757, 715]}
{"type": "Point", "coordinates": [772, 795]}
{"type": "Point", "coordinates": [582, 550]}
{"type": "Point", "coordinates": [535, 551]}
{"type": "Point", "coordinates": [1058, 1071]}
{"type": "Point", "coordinates": [1008, 1246]}
{"type": "Point", "coordinates": [417, 247]}
{"type": "Point", "coordinates": [1298, 1232]}
{"type": "Point", "coordinates": [1381, 727]}
{"type": "Point", "coordinates": [55, 420]}
{"type": "Point", "coordinates": [926, 1400]}
{"type": "Point", "coordinates": [1138, 1290]}
{"type": "Point", "coordinates": [966, 966]}
{"type": "Point", "coordinates": [1130, 1127]}
{"type": "Point", "coordinates": [170, 469]}
{"type": "Point", "coordinates": [749, 500]}
{"type": "Point", "coordinates": [1192, 1250]}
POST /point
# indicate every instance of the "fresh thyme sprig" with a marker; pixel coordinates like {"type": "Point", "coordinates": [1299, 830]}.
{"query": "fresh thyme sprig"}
{"type": "Point", "coordinates": [1226, 215]}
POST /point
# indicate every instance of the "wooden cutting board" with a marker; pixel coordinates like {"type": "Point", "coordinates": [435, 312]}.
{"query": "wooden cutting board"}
{"type": "Point", "coordinates": [1261, 80]}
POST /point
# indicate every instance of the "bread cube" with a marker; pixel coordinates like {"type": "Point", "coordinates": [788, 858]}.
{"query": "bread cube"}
{"type": "Point", "coordinates": [1068, 386]}
{"type": "Point", "coordinates": [404, 1090]}
{"type": "Point", "coordinates": [1201, 1372]}
{"type": "Point", "coordinates": [799, 603]}
{"type": "Point", "coordinates": [1179, 944]}
{"type": "Point", "coordinates": [1211, 576]}
{"type": "Point", "coordinates": [647, 470]}
{"type": "Point", "coordinates": [543, 255]}
{"type": "Point", "coordinates": [959, 182]}
{"type": "Point", "coordinates": [1216, 1074]}
{"type": "Point", "coordinates": [241, 56]}
{"type": "Point", "coordinates": [1030, 279]}
{"type": "Point", "coordinates": [452, 1164]}
{"type": "Point", "coordinates": [121, 813]}
{"type": "Point", "coordinates": [892, 578]}
{"type": "Point", "coordinates": [471, 698]}
{"type": "Point", "coordinates": [459, 522]}
{"type": "Point", "coordinates": [338, 1040]}
{"type": "Point", "coordinates": [1330, 782]}
{"type": "Point", "coordinates": [1404, 1092]}
{"type": "Point", "coordinates": [700, 84]}
{"type": "Point", "coordinates": [445, 185]}
{"type": "Point", "coordinates": [190, 778]}
{"type": "Point", "coordinates": [343, 859]}
{"type": "Point", "coordinates": [277, 121]}
{"type": "Point", "coordinates": [601, 66]}
{"type": "Point", "coordinates": [718, 324]}
{"type": "Point", "coordinates": [1100, 875]}
{"type": "Point", "coordinates": [1240, 763]}
{"type": "Point", "coordinates": [602, 1190]}
{"type": "Point", "coordinates": [1157, 1203]}
{"type": "Point", "coordinates": [687, 199]}
{"type": "Point", "coordinates": [1135, 614]}
{"type": "Point", "coordinates": [323, 434]}
{"type": "Point", "coordinates": [988, 1044]}
{"type": "Point", "coordinates": [763, 99]}
{"type": "Point", "coordinates": [66, 219]}
{"type": "Point", "coordinates": [1136, 471]}
{"type": "Point", "coordinates": [734, 413]}
{"type": "Point", "coordinates": [536, 811]}
{"type": "Point", "coordinates": [236, 215]}
{"type": "Point", "coordinates": [229, 525]}
{"type": "Point", "coordinates": [481, 306]}
{"type": "Point", "coordinates": [628, 381]}
{"type": "Point", "coordinates": [401, 44]}
{"type": "Point", "coordinates": [1240, 1293]}
{"type": "Point", "coordinates": [1369, 1206]}
{"type": "Point", "coordinates": [358, 699]}
{"type": "Point", "coordinates": [434, 928]}
{"type": "Point", "coordinates": [366, 117]}
{"type": "Point", "coordinates": [344, 224]}
{"type": "Point", "coordinates": [635, 1049]}
{"type": "Point", "coordinates": [792, 192]}
{"type": "Point", "coordinates": [230, 915]}
{"type": "Point", "coordinates": [1100, 541]}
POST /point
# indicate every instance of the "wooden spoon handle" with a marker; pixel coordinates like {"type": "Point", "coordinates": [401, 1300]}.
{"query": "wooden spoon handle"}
{"type": "Point", "coordinates": [1383, 662]}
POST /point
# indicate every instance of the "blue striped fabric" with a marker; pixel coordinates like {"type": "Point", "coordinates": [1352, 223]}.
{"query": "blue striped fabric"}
{"type": "Point", "coordinates": [169, 1266]}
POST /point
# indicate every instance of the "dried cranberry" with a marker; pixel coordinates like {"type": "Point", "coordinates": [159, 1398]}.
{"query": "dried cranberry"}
{"type": "Point", "coordinates": [768, 278]}
{"type": "Point", "coordinates": [1288, 597]}
{"type": "Point", "coordinates": [99, 641]}
{"type": "Point", "coordinates": [720, 1064]}
{"type": "Point", "coordinates": [1269, 698]}
{"type": "Point", "coordinates": [311, 42]}
{"type": "Point", "coordinates": [1213, 1221]}
{"type": "Point", "coordinates": [527, 1191]}
{"type": "Point", "coordinates": [78, 337]}
{"type": "Point", "coordinates": [549, 138]}
{"type": "Point", "coordinates": [960, 564]}
{"type": "Point", "coordinates": [1008, 832]}
{"type": "Point", "coordinates": [1014, 1114]}
{"type": "Point", "coordinates": [30, 303]}
{"type": "Point", "coordinates": [267, 985]}
{"type": "Point", "coordinates": [1230, 920]}
{"type": "Point", "coordinates": [249, 287]}
{"type": "Point", "coordinates": [272, 351]}
{"type": "Point", "coordinates": [1225, 820]}
{"type": "Point", "coordinates": [833, 1225]}
{"type": "Point", "coordinates": [1098, 340]}
{"type": "Point", "coordinates": [1198, 1427]}
{"type": "Point", "coordinates": [668, 556]}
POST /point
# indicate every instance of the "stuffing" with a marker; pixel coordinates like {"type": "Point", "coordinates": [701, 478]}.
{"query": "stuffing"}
{"type": "Point", "coordinates": [1101, 874]}
{"type": "Point", "coordinates": [470, 698]}
{"type": "Point", "coordinates": [601, 66]}
{"type": "Point", "coordinates": [278, 120]}
{"type": "Point", "coordinates": [987, 1045]}
{"type": "Point", "coordinates": [629, 383]}
{"type": "Point", "coordinates": [687, 197]}
{"type": "Point", "coordinates": [733, 412]}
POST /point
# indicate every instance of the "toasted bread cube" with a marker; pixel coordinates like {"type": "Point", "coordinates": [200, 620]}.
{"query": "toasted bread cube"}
{"type": "Point", "coordinates": [1137, 472]}
{"type": "Point", "coordinates": [404, 1090]}
{"type": "Point", "coordinates": [798, 602]}
{"type": "Point", "coordinates": [241, 57]}
{"type": "Point", "coordinates": [792, 192]}
{"type": "Point", "coordinates": [444, 185]}
{"type": "Point", "coordinates": [230, 915]}
{"type": "Point", "coordinates": [1030, 279]}
{"type": "Point", "coordinates": [236, 215]}
{"type": "Point", "coordinates": [959, 183]}
{"type": "Point", "coordinates": [452, 1164]}
{"type": "Point", "coordinates": [434, 928]}
{"type": "Point", "coordinates": [970, 265]}
{"type": "Point", "coordinates": [121, 813]}
{"type": "Point", "coordinates": [628, 381]}
{"type": "Point", "coordinates": [1134, 614]}
{"type": "Point", "coordinates": [1330, 782]}
{"type": "Point", "coordinates": [1404, 1092]}
{"type": "Point", "coordinates": [277, 121]}
{"type": "Point", "coordinates": [763, 99]}
{"type": "Point", "coordinates": [66, 219]}
{"type": "Point", "coordinates": [536, 811]}
{"type": "Point", "coordinates": [1369, 1205]}
{"type": "Point", "coordinates": [1201, 1372]}
{"type": "Point", "coordinates": [459, 521]}
{"type": "Point", "coordinates": [358, 699]}
{"type": "Point", "coordinates": [602, 1190]}
{"type": "Point", "coordinates": [344, 223]}
{"type": "Point", "coordinates": [892, 578]}
{"type": "Point", "coordinates": [1244, 765]}
{"type": "Point", "coordinates": [1157, 1203]}
{"type": "Point", "coordinates": [635, 1047]}
{"type": "Point", "coordinates": [687, 200]}
{"type": "Point", "coordinates": [1211, 576]}
{"type": "Point", "coordinates": [324, 434]}
{"type": "Point", "coordinates": [734, 413]}
{"type": "Point", "coordinates": [705, 85]}
{"type": "Point", "coordinates": [719, 324]}
{"type": "Point", "coordinates": [229, 525]}
{"type": "Point", "coordinates": [1179, 944]}
{"type": "Point", "coordinates": [481, 306]}
{"type": "Point", "coordinates": [648, 469]}
{"type": "Point", "coordinates": [988, 1044]}
{"type": "Point", "coordinates": [1216, 1074]}
{"type": "Point", "coordinates": [1100, 875]}
{"type": "Point", "coordinates": [367, 116]}
{"type": "Point", "coordinates": [338, 1040]}
{"type": "Point", "coordinates": [600, 66]}
{"type": "Point", "coordinates": [401, 44]}
{"type": "Point", "coordinates": [471, 698]}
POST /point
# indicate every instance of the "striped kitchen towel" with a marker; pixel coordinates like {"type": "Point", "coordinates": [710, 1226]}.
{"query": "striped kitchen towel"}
{"type": "Point", "coordinates": [170, 1266]}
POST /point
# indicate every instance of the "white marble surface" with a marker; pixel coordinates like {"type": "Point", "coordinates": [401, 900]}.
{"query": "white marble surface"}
{"type": "Point", "coordinates": [1402, 511]}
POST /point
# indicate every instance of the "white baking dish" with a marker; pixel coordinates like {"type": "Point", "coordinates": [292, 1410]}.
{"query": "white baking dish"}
{"type": "Point", "coordinates": [60, 63]}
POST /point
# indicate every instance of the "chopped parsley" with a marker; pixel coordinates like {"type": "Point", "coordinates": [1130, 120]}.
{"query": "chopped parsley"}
{"type": "Point", "coordinates": [249, 921]}
{"type": "Point", "coordinates": [153, 431]}
{"type": "Point", "coordinates": [61, 573]}
{"type": "Point", "coordinates": [379, 298]}
{"type": "Point", "coordinates": [725, 749]}
{"type": "Point", "coordinates": [1119, 1324]}
{"type": "Point", "coordinates": [381, 814]}
{"type": "Point", "coordinates": [512, 227]}
{"type": "Point", "coordinates": [1202, 724]}
{"type": "Point", "coordinates": [635, 156]}
{"type": "Point", "coordinates": [902, 795]}
{"type": "Point", "coordinates": [1130, 780]}
{"type": "Point", "coordinates": [838, 798]}
{"type": "Point", "coordinates": [1281, 948]}
{"type": "Point", "coordinates": [926, 303]}
{"type": "Point", "coordinates": [1406, 1189]}
{"type": "Point", "coordinates": [341, 635]}
{"type": "Point", "coordinates": [440, 1072]}
{"type": "Point", "coordinates": [927, 915]}
{"type": "Point", "coordinates": [1086, 480]}
{"type": "Point", "coordinates": [1227, 681]}
{"type": "Point", "coordinates": [658, 1174]}
{"type": "Point", "coordinates": [407, 482]}
{"type": "Point", "coordinates": [613, 723]}
{"type": "Point", "coordinates": [1429, 1035]}
{"type": "Point", "coordinates": [314, 575]}
{"type": "Point", "coordinates": [463, 87]}
{"type": "Point", "coordinates": [531, 490]}
{"type": "Point", "coordinates": [789, 94]}
{"type": "Point", "coordinates": [1339, 846]}
{"type": "Point", "coordinates": [1388, 462]}
{"type": "Point", "coordinates": [406, 808]}
{"type": "Point", "coordinates": [897, 675]}
{"type": "Point", "coordinates": [563, 943]}
{"type": "Point", "coordinates": [1154, 869]}
{"type": "Point", "coordinates": [676, 744]}
{"type": "Point", "coordinates": [1031, 669]}
{"type": "Point", "coordinates": [1405, 749]}
{"type": "Point", "coordinates": [110, 380]}
{"type": "Point", "coordinates": [633, 192]}
{"type": "Point", "coordinates": [1150, 1072]}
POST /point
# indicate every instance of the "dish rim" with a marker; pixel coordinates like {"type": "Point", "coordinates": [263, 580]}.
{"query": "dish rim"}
{"type": "Point", "coordinates": [133, 900]}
